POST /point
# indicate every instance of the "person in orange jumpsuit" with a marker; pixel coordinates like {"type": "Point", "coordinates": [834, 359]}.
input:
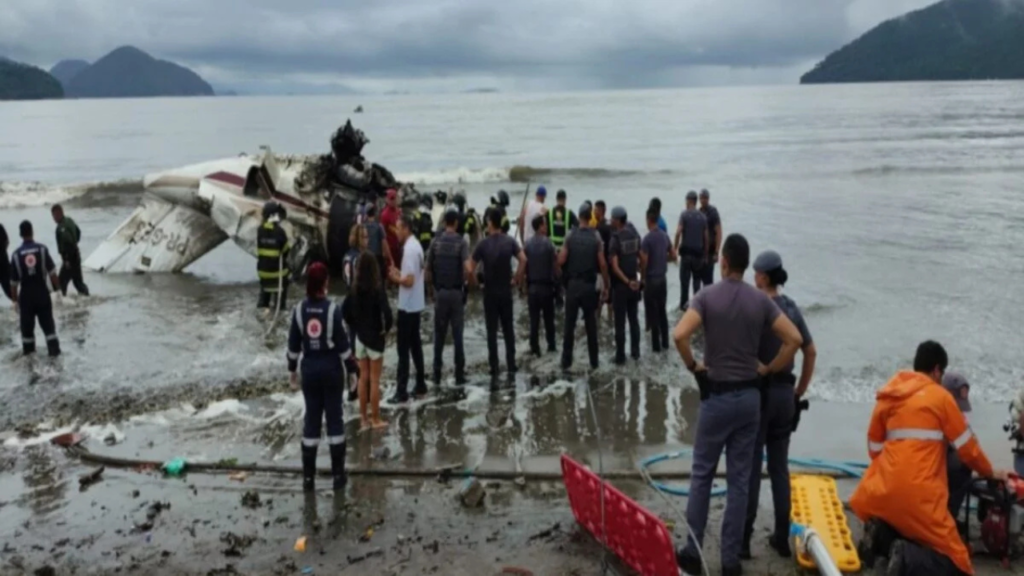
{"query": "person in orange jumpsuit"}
{"type": "Point", "coordinates": [903, 496]}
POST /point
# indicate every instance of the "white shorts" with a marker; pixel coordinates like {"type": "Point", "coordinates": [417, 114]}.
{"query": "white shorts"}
{"type": "Point", "coordinates": [364, 353]}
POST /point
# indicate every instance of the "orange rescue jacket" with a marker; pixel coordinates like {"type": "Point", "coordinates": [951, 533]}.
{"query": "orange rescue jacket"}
{"type": "Point", "coordinates": [905, 484]}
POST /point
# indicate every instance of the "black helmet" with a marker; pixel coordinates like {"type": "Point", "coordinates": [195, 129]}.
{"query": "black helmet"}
{"type": "Point", "coordinates": [271, 208]}
{"type": "Point", "coordinates": [442, 197]}
{"type": "Point", "coordinates": [459, 199]}
{"type": "Point", "coordinates": [503, 198]}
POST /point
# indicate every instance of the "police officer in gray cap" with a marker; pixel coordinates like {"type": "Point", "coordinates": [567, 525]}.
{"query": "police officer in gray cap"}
{"type": "Point", "coordinates": [779, 397]}
{"type": "Point", "coordinates": [735, 316]}
{"type": "Point", "coordinates": [691, 244]}
{"type": "Point", "coordinates": [445, 271]}
{"type": "Point", "coordinates": [624, 251]}
{"type": "Point", "coordinates": [581, 259]}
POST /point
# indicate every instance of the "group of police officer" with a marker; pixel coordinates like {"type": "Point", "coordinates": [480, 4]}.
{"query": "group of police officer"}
{"type": "Point", "coordinates": [30, 277]}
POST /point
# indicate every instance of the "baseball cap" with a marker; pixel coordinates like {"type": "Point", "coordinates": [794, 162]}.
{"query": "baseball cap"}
{"type": "Point", "coordinates": [619, 213]}
{"type": "Point", "coordinates": [691, 195]}
{"type": "Point", "coordinates": [542, 191]}
{"type": "Point", "coordinates": [767, 261]}
{"type": "Point", "coordinates": [705, 194]}
{"type": "Point", "coordinates": [958, 386]}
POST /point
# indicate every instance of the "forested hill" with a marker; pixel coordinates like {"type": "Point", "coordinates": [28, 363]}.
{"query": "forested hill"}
{"type": "Point", "coordinates": [24, 82]}
{"type": "Point", "coordinates": [950, 40]}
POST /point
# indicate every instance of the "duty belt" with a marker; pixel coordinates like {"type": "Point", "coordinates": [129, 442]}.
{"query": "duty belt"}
{"type": "Point", "coordinates": [459, 287]}
{"type": "Point", "coordinates": [709, 387]}
{"type": "Point", "coordinates": [782, 379]}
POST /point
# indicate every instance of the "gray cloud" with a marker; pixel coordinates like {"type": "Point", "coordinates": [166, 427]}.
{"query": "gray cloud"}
{"type": "Point", "coordinates": [531, 44]}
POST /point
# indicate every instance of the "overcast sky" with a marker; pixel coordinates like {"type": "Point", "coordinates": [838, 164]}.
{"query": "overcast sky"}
{"type": "Point", "coordinates": [442, 45]}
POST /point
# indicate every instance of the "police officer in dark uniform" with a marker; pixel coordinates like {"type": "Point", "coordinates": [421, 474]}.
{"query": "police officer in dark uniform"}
{"type": "Point", "coordinates": [714, 236]}
{"type": "Point", "coordinates": [468, 221]}
{"type": "Point", "coordinates": [691, 243]}
{"type": "Point", "coordinates": [735, 316]}
{"type": "Point", "coordinates": [317, 334]}
{"type": "Point", "coordinates": [541, 281]}
{"type": "Point", "coordinates": [445, 271]}
{"type": "Point", "coordinates": [500, 204]}
{"type": "Point", "coordinates": [625, 263]}
{"type": "Point", "coordinates": [32, 280]}
{"type": "Point", "coordinates": [425, 222]}
{"type": "Point", "coordinates": [272, 247]}
{"type": "Point", "coordinates": [581, 259]}
{"type": "Point", "coordinates": [5, 264]}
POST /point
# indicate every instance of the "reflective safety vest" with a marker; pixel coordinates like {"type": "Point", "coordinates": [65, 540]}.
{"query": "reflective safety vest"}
{"type": "Point", "coordinates": [425, 227]}
{"type": "Point", "coordinates": [271, 247]}
{"type": "Point", "coordinates": [556, 234]}
{"type": "Point", "coordinates": [447, 266]}
{"type": "Point", "coordinates": [584, 245]}
{"type": "Point", "coordinates": [905, 485]}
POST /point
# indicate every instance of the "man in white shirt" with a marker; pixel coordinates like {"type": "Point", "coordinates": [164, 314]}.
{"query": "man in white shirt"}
{"type": "Point", "coordinates": [411, 302]}
{"type": "Point", "coordinates": [533, 209]}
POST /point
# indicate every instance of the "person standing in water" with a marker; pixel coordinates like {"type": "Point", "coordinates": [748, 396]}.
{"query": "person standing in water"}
{"type": "Point", "coordinates": [655, 254]}
{"type": "Point", "coordinates": [411, 303]}
{"type": "Point", "coordinates": [541, 281]}
{"type": "Point", "coordinates": [582, 259]}
{"type": "Point", "coordinates": [367, 312]}
{"type": "Point", "coordinates": [625, 265]}
{"type": "Point", "coordinates": [5, 264]}
{"type": "Point", "coordinates": [692, 246]}
{"type": "Point", "coordinates": [780, 399]}
{"type": "Point", "coordinates": [32, 281]}
{"type": "Point", "coordinates": [532, 209]}
{"type": "Point", "coordinates": [317, 341]}
{"type": "Point", "coordinates": [714, 236]}
{"type": "Point", "coordinates": [446, 267]}
{"type": "Point", "coordinates": [68, 237]}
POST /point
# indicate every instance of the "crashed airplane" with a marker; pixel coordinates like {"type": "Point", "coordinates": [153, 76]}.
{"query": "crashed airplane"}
{"type": "Point", "coordinates": [189, 211]}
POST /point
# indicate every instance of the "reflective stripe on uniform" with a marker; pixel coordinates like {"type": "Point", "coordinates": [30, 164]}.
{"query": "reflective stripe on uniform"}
{"type": "Point", "coordinates": [298, 319]}
{"type": "Point", "coordinates": [311, 442]}
{"type": "Point", "coordinates": [28, 340]}
{"type": "Point", "coordinates": [346, 355]}
{"type": "Point", "coordinates": [262, 275]}
{"type": "Point", "coordinates": [875, 446]}
{"type": "Point", "coordinates": [963, 439]}
{"type": "Point", "coordinates": [269, 252]}
{"type": "Point", "coordinates": [335, 440]}
{"type": "Point", "coordinates": [51, 337]}
{"type": "Point", "coordinates": [914, 434]}
{"type": "Point", "coordinates": [293, 355]}
{"type": "Point", "coordinates": [330, 325]}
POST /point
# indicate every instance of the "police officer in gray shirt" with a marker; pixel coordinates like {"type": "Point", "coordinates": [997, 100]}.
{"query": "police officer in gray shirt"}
{"type": "Point", "coordinates": [541, 281]}
{"type": "Point", "coordinates": [581, 259]}
{"type": "Point", "coordinates": [445, 271]}
{"type": "Point", "coordinates": [655, 253]}
{"type": "Point", "coordinates": [735, 317]}
{"type": "Point", "coordinates": [779, 406]}
{"type": "Point", "coordinates": [692, 245]}
{"type": "Point", "coordinates": [625, 263]}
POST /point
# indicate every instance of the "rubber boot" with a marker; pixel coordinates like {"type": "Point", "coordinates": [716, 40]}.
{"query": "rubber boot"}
{"type": "Point", "coordinates": [338, 466]}
{"type": "Point", "coordinates": [748, 533]}
{"type": "Point", "coordinates": [308, 467]}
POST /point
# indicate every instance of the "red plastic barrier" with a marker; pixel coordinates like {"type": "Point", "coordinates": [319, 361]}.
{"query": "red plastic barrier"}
{"type": "Point", "coordinates": [635, 535]}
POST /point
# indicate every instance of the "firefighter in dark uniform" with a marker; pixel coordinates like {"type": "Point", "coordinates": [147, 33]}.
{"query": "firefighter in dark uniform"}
{"type": "Point", "coordinates": [625, 263]}
{"type": "Point", "coordinates": [468, 221]}
{"type": "Point", "coordinates": [500, 204]}
{"type": "Point", "coordinates": [272, 248]}
{"type": "Point", "coordinates": [445, 271]}
{"type": "Point", "coordinates": [561, 221]}
{"type": "Point", "coordinates": [68, 236]}
{"type": "Point", "coordinates": [317, 334]}
{"type": "Point", "coordinates": [32, 280]}
{"type": "Point", "coordinates": [581, 259]}
{"type": "Point", "coordinates": [425, 222]}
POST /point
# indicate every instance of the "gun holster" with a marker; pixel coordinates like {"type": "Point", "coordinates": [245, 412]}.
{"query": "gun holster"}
{"type": "Point", "coordinates": [702, 384]}
{"type": "Point", "coordinates": [801, 405]}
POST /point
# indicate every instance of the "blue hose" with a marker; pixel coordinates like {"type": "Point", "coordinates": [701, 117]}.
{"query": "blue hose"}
{"type": "Point", "coordinates": [850, 469]}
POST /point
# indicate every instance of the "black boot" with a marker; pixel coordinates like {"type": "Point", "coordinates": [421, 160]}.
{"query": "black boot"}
{"type": "Point", "coordinates": [745, 547]}
{"type": "Point", "coordinates": [338, 466]}
{"type": "Point", "coordinates": [308, 467]}
{"type": "Point", "coordinates": [780, 544]}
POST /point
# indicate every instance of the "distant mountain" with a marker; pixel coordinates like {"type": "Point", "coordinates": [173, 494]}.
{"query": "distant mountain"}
{"type": "Point", "coordinates": [24, 82]}
{"type": "Point", "coordinates": [65, 70]}
{"type": "Point", "coordinates": [951, 40]}
{"type": "Point", "coordinates": [131, 73]}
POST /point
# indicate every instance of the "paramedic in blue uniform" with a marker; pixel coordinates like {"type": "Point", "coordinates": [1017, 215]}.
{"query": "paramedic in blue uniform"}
{"type": "Point", "coordinates": [317, 334]}
{"type": "Point", "coordinates": [33, 277]}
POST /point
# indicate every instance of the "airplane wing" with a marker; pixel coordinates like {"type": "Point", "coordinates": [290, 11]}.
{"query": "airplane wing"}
{"type": "Point", "coordinates": [158, 237]}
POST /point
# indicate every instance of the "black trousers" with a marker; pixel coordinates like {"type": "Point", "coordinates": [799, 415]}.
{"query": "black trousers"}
{"type": "Point", "coordinates": [410, 344]}
{"type": "Point", "coordinates": [708, 273]}
{"type": "Point", "coordinates": [959, 478]}
{"type": "Point", "coordinates": [449, 312]}
{"type": "Point", "coordinates": [71, 271]}
{"type": "Point", "coordinates": [498, 310]}
{"type": "Point", "coordinates": [580, 299]}
{"type": "Point", "coordinates": [324, 394]}
{"type": "Point", "coordinates": [917, 560]}
{"type": "Point", "coordinates": [625, 303]}
{"type": "Point", "coordinates": [5, 274]}
{"type": "Point", "coordinates": [30, 308]}
{"type": "Point", "coordinates": [655, 297]}
{"type": "Point", "coordinates": [541, 300]}
{"type": "Point", "coordinates": [690, 268]}
{"type": "Point", "coordinates": [274, 298]}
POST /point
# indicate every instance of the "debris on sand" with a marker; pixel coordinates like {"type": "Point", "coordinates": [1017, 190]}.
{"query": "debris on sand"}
{"type": "Point", "coordinates": [300, 544]}
{"type": "Point", "coordinates": [371, 554]}
{"type": "Point", "coordinates": [111, 439]}
{"type": "Point", "coordinates": [251, 499]}
{"type": "Point", "coordinates": [515, 571]}
{"type": "Point", "coordinates": [545, 534]}
{"type": "Point", "coordinates": [472, 493]}
{"type": "Point", "coordinates": [236, 544]}
{"type": "Point", "coordinates": [45, 571]}
{"type": "Point", "coordinates": [156, 508]}
{"type": "Point", "coordinates": [238, 476]}
{"type": "Point", "coordinates": [520, 481]}
{"type": "Point", "coordinates": [432, 547]}
{"type": "Point", "coordinates": [86, 480]}
{"type": "Point", "coordinates": [381, 453]}
{"type": "Point", "coordinates": [228, 570]}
